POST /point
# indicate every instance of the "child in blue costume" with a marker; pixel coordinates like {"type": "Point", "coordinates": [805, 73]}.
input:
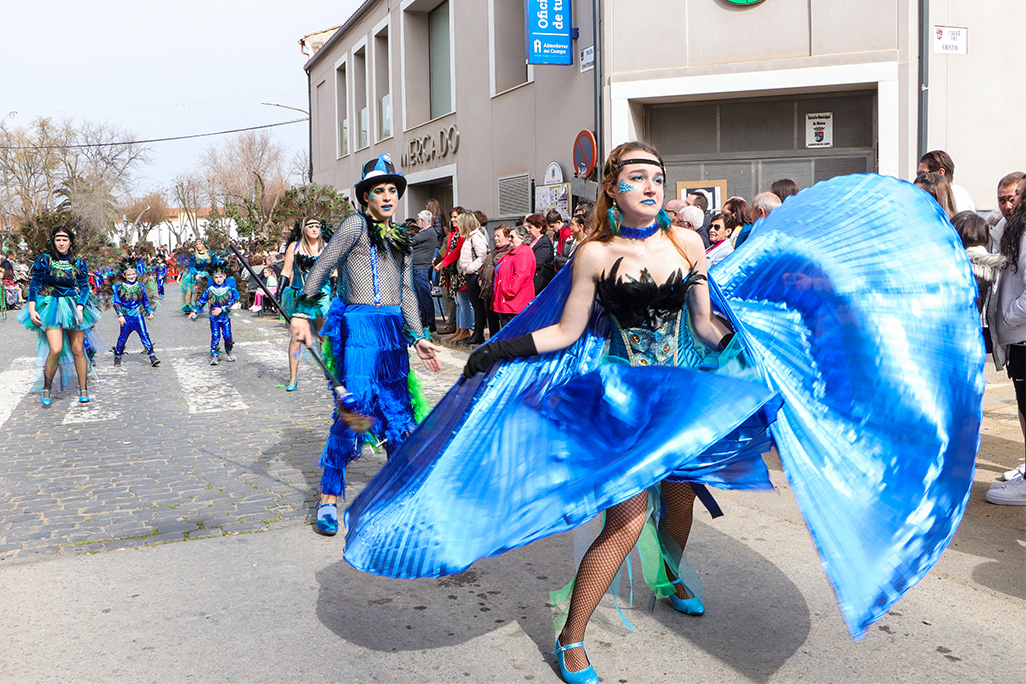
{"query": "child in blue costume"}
{"type": "Point", "coordinates": [220, 295]}
{"type": "Point", "coordinates": [372, 321]}
{"type": "Point", "coordinates": [60, 311]}
{"type": "Point", "coordinates": [132, 304]}
{"type": "Point", "coordinates": [160, 272]}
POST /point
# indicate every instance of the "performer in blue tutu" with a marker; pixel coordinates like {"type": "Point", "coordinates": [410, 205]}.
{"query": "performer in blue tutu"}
{"type": "Point", "coordinates": [132, 304]}
{"type": "Point", "coordinates": [373, 319]}
{"type": "Point", "coordinates": [305, 244]}
{"type": "Point", "coordinates": [621, 388]}
{"type": "Point", "coordinates": [220, 294]}
{"type": "Point", "coordinates": [194, 281]}
{"type": "Point", "coordinates": [60, 311]}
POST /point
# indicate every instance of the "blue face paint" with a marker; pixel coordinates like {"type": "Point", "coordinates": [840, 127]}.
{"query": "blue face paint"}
{"type": "Point", "coordinates": [625, 187]}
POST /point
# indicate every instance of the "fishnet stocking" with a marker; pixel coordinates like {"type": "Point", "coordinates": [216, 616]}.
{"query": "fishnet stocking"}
{"type": "Point", "coordinates": [624, 523]}
{"type": "Point", "coordinates": [680, 504]}
{"type": "Point", "coordinates": [620, 533]}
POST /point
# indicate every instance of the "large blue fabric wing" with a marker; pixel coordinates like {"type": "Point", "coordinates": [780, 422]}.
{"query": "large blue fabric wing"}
{"type": "Point", "coordinates": [857, 302]}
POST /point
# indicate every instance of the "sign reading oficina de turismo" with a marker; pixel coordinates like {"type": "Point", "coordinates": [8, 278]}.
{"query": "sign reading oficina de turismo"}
{"type": "Point", "coordinates": [548, 32]}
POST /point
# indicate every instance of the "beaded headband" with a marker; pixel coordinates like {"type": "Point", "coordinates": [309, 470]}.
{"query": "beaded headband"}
{"type": "Point", "coordinates": [654, 162]}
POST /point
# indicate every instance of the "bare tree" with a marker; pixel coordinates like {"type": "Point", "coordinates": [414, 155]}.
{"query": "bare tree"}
{"type": "Point", "coordinates": [31, 168]}
{"type": "Point", "coordinates": [187, 193]}
{"type": "Point", "coordinates": [144, 214]}
{"type": "Point", "coordinates": [51, 168]}
{"type": "Point", "coordinates": [246, 177]}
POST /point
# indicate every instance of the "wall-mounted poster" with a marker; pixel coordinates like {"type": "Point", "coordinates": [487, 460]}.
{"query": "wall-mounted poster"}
{"type": "Point", "coordinates": [553, 197]}
{"type": "Point", "coordinates": [714, 190]}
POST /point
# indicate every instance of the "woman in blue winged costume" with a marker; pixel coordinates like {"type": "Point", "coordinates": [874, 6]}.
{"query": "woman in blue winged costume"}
{"type": "Point", "coordinates": [623, 385]}
{"type": "Point", "coordinates": [61, 312]}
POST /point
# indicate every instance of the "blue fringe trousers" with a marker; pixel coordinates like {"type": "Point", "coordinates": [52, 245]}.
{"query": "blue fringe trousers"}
{"type": "Point", "coordinates": [372, 362]}
{"type": "Point", "coordinates": [134, 323]}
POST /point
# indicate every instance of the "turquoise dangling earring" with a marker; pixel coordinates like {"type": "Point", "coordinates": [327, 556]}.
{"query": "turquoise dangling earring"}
{"type": "Point", "coordinates": [614, 219]}
{"type": "Point", "coordinates": [663, 219]}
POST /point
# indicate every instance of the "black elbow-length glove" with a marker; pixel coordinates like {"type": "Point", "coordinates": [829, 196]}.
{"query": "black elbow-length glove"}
{"type": "Point", "coordinates": [485, 356]}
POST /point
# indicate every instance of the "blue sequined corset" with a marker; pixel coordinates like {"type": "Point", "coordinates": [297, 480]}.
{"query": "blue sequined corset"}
{"type": "Point", "coordinates": [648, 321]}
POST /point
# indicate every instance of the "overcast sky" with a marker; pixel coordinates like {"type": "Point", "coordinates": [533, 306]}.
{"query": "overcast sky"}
{"type": "Point", "coordinates": [161, 69]}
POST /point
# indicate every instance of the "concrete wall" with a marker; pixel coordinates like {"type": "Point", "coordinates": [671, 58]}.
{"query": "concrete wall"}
{"type": "Point", "coordinates": [802, 45]}
{"type": "Point", "coordinates": [684, 50]}
{"type": "Point", "coordinates": [517, 131]}
{"type": "Point", "coordinates": [976, 100]}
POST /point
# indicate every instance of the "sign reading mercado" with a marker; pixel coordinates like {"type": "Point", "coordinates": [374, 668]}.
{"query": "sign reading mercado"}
{"type": "Point", "coordinates": [548, 32]}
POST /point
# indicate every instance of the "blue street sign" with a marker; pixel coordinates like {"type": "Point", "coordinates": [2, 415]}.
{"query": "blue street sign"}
{"type": "Point", "coordinates": [548, 32]}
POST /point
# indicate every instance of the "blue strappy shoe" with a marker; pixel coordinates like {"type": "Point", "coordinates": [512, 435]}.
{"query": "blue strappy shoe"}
{"type": "Point", "coordinates": [585, 676]}
{"type": "Point", "coordinates": [83, 396]}
{"type": "Point", "coordinates": [45, 398]}
{"type": "Point", "coordinates": [691, 606]}
{"type": "Point", "coordinates": [293, 384]}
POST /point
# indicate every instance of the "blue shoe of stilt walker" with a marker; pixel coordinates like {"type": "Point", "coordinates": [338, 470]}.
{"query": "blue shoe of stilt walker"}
{"type": "Point", "coordinates": [327, 519]}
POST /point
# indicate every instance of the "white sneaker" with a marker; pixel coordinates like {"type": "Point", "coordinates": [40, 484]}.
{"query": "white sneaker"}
{"type": "Point", "coordinates": [1014, 473]}
{"type": "Point", "coordinates": [256, 309]}
{"type": "Point", "coordinates": [236, 306]}
{"type": "Point", "coordinates": [1011, 493]}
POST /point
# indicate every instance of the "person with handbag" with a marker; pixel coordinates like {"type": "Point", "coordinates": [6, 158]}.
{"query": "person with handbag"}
{"type": "Point", "coordinates": [475, 249]}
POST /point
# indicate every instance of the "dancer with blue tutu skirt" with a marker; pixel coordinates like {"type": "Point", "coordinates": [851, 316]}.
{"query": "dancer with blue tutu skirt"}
{"type": "Point", "coordinates": [305, 244]}
{"type": "Point", "coordinates": [373, 319]}
{"type": "Point", "coordinates": [60, 311]}
{"type": "Point", "coordinates": [194, 281]}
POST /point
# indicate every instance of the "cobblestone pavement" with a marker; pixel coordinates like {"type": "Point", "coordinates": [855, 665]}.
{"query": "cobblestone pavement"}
{"type": "Point", "coordinates": [182, 451]}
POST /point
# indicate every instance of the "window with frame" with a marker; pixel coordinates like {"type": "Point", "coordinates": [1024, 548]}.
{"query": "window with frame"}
{"type": "Point", "coordinates": [509, 47]}
{"type": "Point", "coordinates": [382, 90]}
{"type": "Point", "coordinates": [427, 48]}
{"type": "Point", "coordinates": [360, 110]}
{"type": "Point", "coordinates": [342, 109]}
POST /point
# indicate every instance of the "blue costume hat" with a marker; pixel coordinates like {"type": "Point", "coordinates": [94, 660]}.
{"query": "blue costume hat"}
{"type": "Point", "coordinates": [380, 170]}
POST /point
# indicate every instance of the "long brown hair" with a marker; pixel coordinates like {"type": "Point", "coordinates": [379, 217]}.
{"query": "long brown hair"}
{"type": "Point", "coordinates": [939, 188]}
{"type": "Point", "coordinates": [435, 207]}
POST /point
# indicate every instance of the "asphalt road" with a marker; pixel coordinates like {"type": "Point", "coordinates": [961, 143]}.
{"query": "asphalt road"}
{"type": "Point", "coordinates": [162, 533]}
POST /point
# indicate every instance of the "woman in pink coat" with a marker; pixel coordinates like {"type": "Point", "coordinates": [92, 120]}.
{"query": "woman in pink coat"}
{"type": "Point", "coordinates": [514, 275]}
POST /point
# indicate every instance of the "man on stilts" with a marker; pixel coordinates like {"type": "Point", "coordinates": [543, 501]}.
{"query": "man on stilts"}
{"type": "Point", "coordinates": [373, 319]}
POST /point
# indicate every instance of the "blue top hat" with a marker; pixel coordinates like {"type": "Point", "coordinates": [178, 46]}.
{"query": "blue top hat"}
{"type": "Point", "coordinates": [377, 171]}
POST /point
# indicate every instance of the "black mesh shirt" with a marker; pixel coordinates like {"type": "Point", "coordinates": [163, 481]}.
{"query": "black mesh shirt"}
{"type": "Point", "coordinates": [349, 251]}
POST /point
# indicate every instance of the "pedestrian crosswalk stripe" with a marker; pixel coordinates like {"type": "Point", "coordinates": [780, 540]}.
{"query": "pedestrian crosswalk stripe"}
{"type": "Point", "coordinates": [206, 388]}
{"type": "Point", "coordinates": [15, 383]}
{"type": "Point", "coordinates": [113, 392]}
